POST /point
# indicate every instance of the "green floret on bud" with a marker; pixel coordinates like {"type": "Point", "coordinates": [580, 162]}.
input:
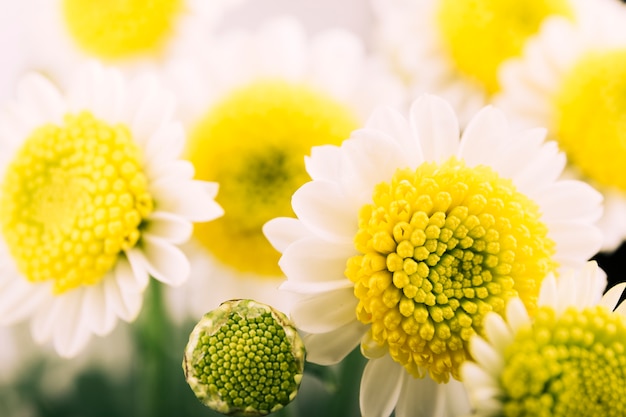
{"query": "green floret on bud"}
{"type": "Point", "coordinates": [245, 359]}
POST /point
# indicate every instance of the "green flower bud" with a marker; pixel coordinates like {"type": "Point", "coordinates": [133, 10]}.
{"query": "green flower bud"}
{"type": "Point", "coordinates": [244, 358]}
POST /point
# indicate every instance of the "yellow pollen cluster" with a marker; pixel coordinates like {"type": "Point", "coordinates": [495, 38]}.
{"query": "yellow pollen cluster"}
{"type": "Point", "coordinates": [253, 143]}
{"type": "Point", "coordinates": [72, 199]}
{"type": "Point", "coordinates": [440, 247]}
{"type": "Point", "coordinates": [117, 29]}
{"type": "Point", "coordinates": [570, 366]}
{"type": "Point", "coordinates": [481, 34]}
{"type": "Point", "coordinates": [590, 122]}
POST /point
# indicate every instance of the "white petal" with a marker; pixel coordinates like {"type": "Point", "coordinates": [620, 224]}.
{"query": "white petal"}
{"type": "Point", "coordinates": [169, 226]}
{"type": "Point", "coordinates": [283, 231]}
{"type": "Point", "coordinates": [98, 315]}
{"type": "Point", "coordinates": [312, 288]}
{"type": "Point", "coordinates": [516, 314]}
{"type": "Point", "coordinates": [164, 145]}
{"type": "Point", "coordinates": [547, 166]}
{"type": "Point", "coordinates": [548, 294]}
{"type": "Point", "coordinates": [456, 399]}
{"type": "Point", "coordinates": [19, 299]}
{"type": "Point", "coordinates": [155, 107]}
{"type": "Point", "coordinates": [70, 334]}
{"type": "Point", "coordinates": [498, 333]}
{"type": "Point", "coordinates": [326, 312]}
{"type": "Point", "coordinates": [388, 120]}
{"type": "Point", "coordinates": [569, 199]}
{"type": "Point", "coordinates": [189, 199]}
{"type": "Point", "coordinates": [576, 242]}
{"type": "Point", "coordinates": [484, 134]}
{"type": "Point", "coordinates": [330, 348]}
{"type": "Point", "coordinates": [137, 263]}
{"type": "Point", "coordinates": [164, 261]}
{"type": "Point", "coordinates": [419, 397]}
{"type": "Point", "coordinates": [324, 163]}
{"type": "Point", "coordinates": [436, 126]}
{"type": "Point", "coordinates": [485, 354]}
{"type": "Point", "coordinates": [323, 207]}
{"type": "Point", "coordinates": [381, 384]}
{"type": "Point", "coordinates": [475, 376]}
{"type": "Point", "coordinates": [315, 260]}
{"type": "Point", "coordinates": [612, 297]}
{"type": "Point", "coordinates": [42, 99]}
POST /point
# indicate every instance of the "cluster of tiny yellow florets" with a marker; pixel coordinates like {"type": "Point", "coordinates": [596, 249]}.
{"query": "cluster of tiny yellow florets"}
{"type": "Point", "coordinates": [568, 366]}
{"type": "Point", "coordinates": [589, 124]}
{"type": "Point", "coordinates": [115, 30]}
{"type": "Point", "coordinates": [243, 361]}
{"type": "Point", "coordinates": [440, 247]}
{"type": "Point", "coordinates": [73, 198]}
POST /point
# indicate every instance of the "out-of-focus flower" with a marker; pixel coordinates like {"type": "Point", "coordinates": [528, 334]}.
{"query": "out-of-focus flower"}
{"type": "Point", "coordinates": [93, 201]}
{"type": "Point", "coordinates": [571, 79]}
{"type": "Point", "coordinates": [408, 236]}
{"type": "Point", "coordinates": [244, 358]}
{"type": "Point", "coordinates": [134, 35]}
{"type": "Point", "coordinates": [455, 49]}
{"type": "Point", "coordinates": [256, 106]}
{"type": "Point", "coordinates": [567, 360]}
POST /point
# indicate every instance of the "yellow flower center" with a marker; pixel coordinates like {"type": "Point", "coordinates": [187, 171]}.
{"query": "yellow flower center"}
{"type": "Point", "coordinates": [440, 247]}
{"type": "Point", "coordinates": [481, 34]}
{"type": "Point", "coordinates": [72, 199]}
{"type": "Point", "coordinates": [570, 366]}
{"type": "Point", "coordinates": [118, 29]}
{"type": "Point", "coordinates": [591, 117]}
{"type": "Point", "coordinates": [253, 143]}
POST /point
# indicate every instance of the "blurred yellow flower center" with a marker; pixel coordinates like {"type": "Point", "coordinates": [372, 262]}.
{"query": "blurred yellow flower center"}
{"type": "Point", "coordinates": [72, 199]}
{"type": "Point", "coordinates": [441, 246]}
{"type": "Point", "coordinates": [481, 34]}
{"type": "Point", "coordinates": [117, 29]}
{"type": "Point", "coordinates": [253, 143]}
{"type": "Point", "coordinates": [568, 366]}
{"type": "Point", "coordinates": [591, 117]}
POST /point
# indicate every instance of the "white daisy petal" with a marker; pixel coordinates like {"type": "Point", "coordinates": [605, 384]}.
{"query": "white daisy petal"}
{"type": "Point", "coordinates": [164, 261]}
{"type": "Point", "coordinates": [612, 297]}
{"type": "Point", "coordinates": [283, 231]}
{"type": "Point", "coordinates": [40, 97]}
{"type": "Point", "coordinates": [325, 313]}
{"type": "Point", "coordinates": [69, 337]}
{"type": "Point", "coordinates": [324, 162]}
{"type": "Point", "coordinates": [434, 119]}
{"type": "Point", "coordinates": [96, 315]}
{"type": "Point", "coordinates": [19, 299]}
{"type": "Point", "coordinates": [188, 199]}
{"type": "Point", "coordinates": [419, 398]}
{"type": "Point", "coordinates": [381, 384]}
{"type": "Point", "coordinates": [326, 262]}
{"type": "Point", "coordinates": [486, 130]}
{"type": "Point", "coordinates": [169, 226]}
{"type": "Point", "coordinates": [330, 348]}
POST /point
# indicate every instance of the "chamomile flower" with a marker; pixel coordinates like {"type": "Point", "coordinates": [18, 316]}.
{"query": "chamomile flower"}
{"type": "Point", "coordinates": [260, 101]}
{"type": "Point", "coordinates": [571, 80]}
{"type": "Point", "coordinates": [410, 233]}
{"type": "Point", "coordinates": [93, 201]}
{"type": "Point", "coordinates": [133, 34]}
{"type": "Point", "coordinates": [455, 49]}
{"type": "Point", "coordinates": [568, 359]}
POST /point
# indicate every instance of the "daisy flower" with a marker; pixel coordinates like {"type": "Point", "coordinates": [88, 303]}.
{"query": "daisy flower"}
{"type": "Point", "coordinates": [257, 104]}
{"type": "Point", "coordinates": [410, 233]}
{"type": "Point", "coordinates": [571, 80]}
{"type": "Point", "coordinates": [132, 34]}
{"type": "Point", "coordinates": [455, 49]}
{"type": "Point", "coordinates": [567, 360]}
{"type": "Point", "coordinates": [93, 201]}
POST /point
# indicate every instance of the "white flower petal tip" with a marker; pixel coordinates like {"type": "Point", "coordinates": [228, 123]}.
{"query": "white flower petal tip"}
{"type": "Point", "coordinates": [381, 385]}
{"type": "Point", "coordinates": [137, 232]}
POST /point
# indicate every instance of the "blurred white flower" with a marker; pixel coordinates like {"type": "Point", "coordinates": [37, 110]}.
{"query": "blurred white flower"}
{"type": "Point", "coordinates": [571, 79]}
{"type": "Point", "coordinates": [255, 103]}
{"type": "Point", "coordinates": [93, 201]}
{"type": "Point", "coordinates": [410, 233]}
{"type": "Point", "coordinates": [454, 49]}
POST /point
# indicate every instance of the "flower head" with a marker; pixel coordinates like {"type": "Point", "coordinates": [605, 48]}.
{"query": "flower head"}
{"type": "Point", "coordinates": [576, 91]}
{"type": "Point", "coordinates": [244, 358]}
{"type": "Point", "coordinates": [131, 34]}
{"type": "Point", "coordinates": [408, 236]}
{"type": "Point", "coordinates": [456, 49]}
{"type": "Point", "coordinates": [264, 98]}
{"type": "Point", "coordinates": [93, 200]}
{"type": "Point", "coordinates": [567, 360]}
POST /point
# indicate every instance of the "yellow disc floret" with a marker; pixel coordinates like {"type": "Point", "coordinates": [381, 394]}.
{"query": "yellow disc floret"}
{"type": "Point", "coordinates": [481, 34]}
{"type": "Point", "coordinates": [591, 118]}
{"type": "Point", "coordinates": [117, 29]}
{"type": "Point", "coordinates": [72, 199]}
{"type": "Point", "coordinates": [253, 143]}
{"type": "Point", "coordinates": [440, 246]}
{"type": "Point", "coordinates": [568, 366]}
